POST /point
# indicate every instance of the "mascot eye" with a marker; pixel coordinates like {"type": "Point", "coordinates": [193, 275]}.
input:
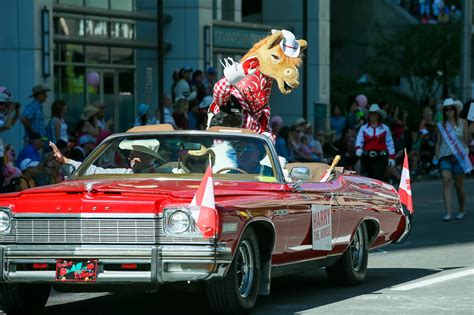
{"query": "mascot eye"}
{"type": "Point", "coordinates": [275, 57]}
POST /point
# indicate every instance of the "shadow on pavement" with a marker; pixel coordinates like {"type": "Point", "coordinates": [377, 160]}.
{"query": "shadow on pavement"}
{"type": "Point", "coordinates": [290, 294]}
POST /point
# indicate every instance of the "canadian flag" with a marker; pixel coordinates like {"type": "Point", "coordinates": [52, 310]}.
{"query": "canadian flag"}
{"type": "Point", "coordinates": [404, 190]}
{"type": "Point", "coordinates": [203, 208]}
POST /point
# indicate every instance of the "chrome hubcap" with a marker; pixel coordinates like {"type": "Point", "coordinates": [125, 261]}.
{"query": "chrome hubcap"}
{"type": "Point", "coordinates": [357, 250]}
{"type": "Point", "coordinates": [245, 267]}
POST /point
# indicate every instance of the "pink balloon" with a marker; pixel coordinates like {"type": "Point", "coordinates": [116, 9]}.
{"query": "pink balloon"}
{"type": "Point", "coordinates": [361, 100]}
{"type": "Point", "coordinates": [93, 79]}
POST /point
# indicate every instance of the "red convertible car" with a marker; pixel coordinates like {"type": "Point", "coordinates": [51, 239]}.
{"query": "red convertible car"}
{"type": "Point", "coordinates": [123, 217]}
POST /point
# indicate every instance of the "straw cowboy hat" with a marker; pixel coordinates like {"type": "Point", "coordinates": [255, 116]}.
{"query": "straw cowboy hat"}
{"type": "Point", "coordinates": [147, 146]}
{"type": "Point", "coordinates": [201, 156]}
{"type": "Point", "coordinates": [88, 112]}
{"type": "Point", "coordinates": [39, 89]}
{"type": "Point", "coordinates": [450, 102]}
{"type": "Point", "coordinates": [289, 44]}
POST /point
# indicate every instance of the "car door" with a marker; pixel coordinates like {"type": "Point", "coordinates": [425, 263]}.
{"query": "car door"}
{"type": "Point", "coordinates": [313, 220]}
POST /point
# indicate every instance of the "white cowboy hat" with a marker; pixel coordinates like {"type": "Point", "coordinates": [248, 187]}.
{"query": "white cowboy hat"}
{"type": "Point", "coordinates": [289, 44]}
{"type": "Point", "coordinates": [450, 102]}
{"type": "Point", "coordinates": [148, 146]}
{"type": "Point", "coordinates": [374, 108]}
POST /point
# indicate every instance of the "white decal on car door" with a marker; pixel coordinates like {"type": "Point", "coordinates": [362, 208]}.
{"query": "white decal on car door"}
{"type": "Point", "coordinates": [321, 227]}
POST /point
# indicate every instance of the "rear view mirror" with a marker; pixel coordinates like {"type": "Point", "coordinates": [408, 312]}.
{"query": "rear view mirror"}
{"type": "Point", "coordinates": [300, 173]}
{"type": "Point", "coordinates": [191, 146]}
{"type": "Point", "coordinates": [67, 170]}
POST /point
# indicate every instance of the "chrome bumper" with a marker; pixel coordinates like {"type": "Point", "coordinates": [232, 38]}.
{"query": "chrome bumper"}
{"type": "Point", "coordinates": [408, 225]}
{"type": "Point", "coordinates": [162, 263]}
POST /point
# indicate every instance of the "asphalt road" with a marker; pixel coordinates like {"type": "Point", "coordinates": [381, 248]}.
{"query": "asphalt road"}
{"type": "Point", "coordinates": [432, 273]}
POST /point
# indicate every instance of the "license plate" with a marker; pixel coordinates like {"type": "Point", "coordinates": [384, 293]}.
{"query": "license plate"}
{"type": "Point", "coordinates": [76, 270]}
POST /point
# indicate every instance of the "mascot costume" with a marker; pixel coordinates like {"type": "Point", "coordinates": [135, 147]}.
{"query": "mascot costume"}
{"type": "Point", "coordinates": [246, 86]}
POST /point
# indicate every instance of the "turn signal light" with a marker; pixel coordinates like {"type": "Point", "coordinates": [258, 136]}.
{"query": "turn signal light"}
{"type": "Point", "coordinates": [128, 266]}
{"type": "Point", "coordinates": [40, 266]}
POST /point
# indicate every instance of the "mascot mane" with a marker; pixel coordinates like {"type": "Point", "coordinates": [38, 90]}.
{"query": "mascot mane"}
{"type": "Point", "coordinates": [297, 61]}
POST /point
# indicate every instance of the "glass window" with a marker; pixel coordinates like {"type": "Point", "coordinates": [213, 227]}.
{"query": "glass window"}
{"type": "Point", "coordinates": [70, 53]}
{"type": "Point", "coordinates": [181, 156]}
{"type": "Point", "coordinates": [97, 54]}
{"type": "Point", "coordinates": [122, 56]}
{"type": "Point", "coordinates": [68, 26]}
{"type": "Point", "coordinates": [122, 30]}
{"type": "Point", "coordinates": [72, 2]}
{"type": "Point", "coordinates": [103, 4]}
{"type": "Point", "coordinates": [95, 28]}
{"type": "Point", "coordinates": [69, 85]}
{"type": "Point", "coordinates": [123, 5]}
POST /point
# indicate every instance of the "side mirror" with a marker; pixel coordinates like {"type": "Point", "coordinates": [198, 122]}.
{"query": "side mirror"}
{"type": "Point", "coordinates": [300, 174]}
{"type": "Point", "coordinates": [67, 170]}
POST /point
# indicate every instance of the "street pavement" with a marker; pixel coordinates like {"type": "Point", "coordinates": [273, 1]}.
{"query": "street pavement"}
{"type": "Point", "coordinates": [431, 273]}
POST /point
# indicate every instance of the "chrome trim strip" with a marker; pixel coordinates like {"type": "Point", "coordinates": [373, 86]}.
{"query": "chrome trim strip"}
{"type": "Point", "coordinates": [103, 277]}
{"type": "Point", "coordinates": [88, 215]}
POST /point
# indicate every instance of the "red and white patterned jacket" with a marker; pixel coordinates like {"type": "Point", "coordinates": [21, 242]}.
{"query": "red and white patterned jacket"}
{"type": "Point", "coordinates": [252, 93]}
{"type": "Point", "coordinates": [375, 139]}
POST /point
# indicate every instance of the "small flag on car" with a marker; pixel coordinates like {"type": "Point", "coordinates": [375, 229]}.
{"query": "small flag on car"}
{"type": "Point", "coordinates": [203, 207]}
{"type": "Point", "coordinates": [404, 190]}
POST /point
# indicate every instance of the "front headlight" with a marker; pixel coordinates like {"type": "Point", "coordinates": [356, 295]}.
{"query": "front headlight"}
{"type": "Point", "coordinates": [178, 222]}
{"type": "Point", "coordinates": [5, 220]}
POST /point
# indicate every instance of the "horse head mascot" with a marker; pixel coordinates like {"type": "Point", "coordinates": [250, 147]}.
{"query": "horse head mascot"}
{"type": "Point", "coordinates": [246, 86]}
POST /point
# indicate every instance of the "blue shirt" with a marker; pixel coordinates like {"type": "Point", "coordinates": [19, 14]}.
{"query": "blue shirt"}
{"type": "Point", "coordinates": [28, 152]}
{"type": "Point", "coordinates": [337, 124]}
{"type": "Point", "coordinates": [34, 113]}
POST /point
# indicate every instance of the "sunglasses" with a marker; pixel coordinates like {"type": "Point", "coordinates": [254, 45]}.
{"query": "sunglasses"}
{"type": "Point", "coordinates": [449, 109]}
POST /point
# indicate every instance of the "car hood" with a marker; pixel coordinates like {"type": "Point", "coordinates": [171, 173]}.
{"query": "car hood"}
{"type": "Point", "coordinates": [129, 195]}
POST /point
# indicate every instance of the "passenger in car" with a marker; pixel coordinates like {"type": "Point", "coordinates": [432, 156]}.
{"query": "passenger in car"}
{"type": "Point", "coordinates": [141, 161]}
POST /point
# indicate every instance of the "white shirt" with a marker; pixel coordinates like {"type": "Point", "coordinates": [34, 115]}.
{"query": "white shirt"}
{"type": "Point", "coordinates": [182, 90]}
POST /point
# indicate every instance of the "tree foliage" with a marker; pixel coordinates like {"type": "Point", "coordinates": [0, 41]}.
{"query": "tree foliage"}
{"type": "Point", "coordinates": [428, 56]}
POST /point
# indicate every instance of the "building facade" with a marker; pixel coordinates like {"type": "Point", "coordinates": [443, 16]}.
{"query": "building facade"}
{"type": "Point", "coordinates": [65, 43]}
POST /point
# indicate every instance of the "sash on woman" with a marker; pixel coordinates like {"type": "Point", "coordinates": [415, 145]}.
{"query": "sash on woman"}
{"type": "Point", "coordinates": [456, 147]}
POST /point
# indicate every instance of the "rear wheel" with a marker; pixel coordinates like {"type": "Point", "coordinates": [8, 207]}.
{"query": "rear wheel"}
{"type": "Point", "coordinates": [237, 292]}
{"type": "Point", "coordinates": [19, 298]}
{"type": "Point", "coordinates": [351, 268]}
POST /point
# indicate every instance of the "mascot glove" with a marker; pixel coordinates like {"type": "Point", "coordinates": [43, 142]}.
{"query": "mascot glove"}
{"type": "Point", "coordinates": [391, 162]}
{"type": "Point", "coordinates": [359, 152]}
{"type": "Point", "coordinates": [235, 71]}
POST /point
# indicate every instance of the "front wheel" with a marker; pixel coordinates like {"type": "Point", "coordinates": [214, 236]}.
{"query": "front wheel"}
{"type": "Point", "coordinates": [19, 298]}
{"type": "Point", "coordinates": [351, 268]}
{"type": "Point", "coordinates": [237, 292]}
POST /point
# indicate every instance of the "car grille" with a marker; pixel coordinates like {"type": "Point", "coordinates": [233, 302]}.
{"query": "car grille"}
{"type": "Point", "coordinates": [84, 231]}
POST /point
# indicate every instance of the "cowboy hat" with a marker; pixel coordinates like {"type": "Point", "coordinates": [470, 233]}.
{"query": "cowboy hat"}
{"type": "Point", "coordinates": [200, 155]}
{"type": "Point", "coordinates": [39, 89]}
{"type": "Point", "coordinates": [147, 146]}
{"type": "Point", "coordinates": [374, 108]}
{"type": "Point", "coordinates": [450, 102]}
{"type": "Point", "coordinates": [88, 112]}
{"type": "Point", "coordinates": [289, 44]}
{"type": "Point", "coordinates": [142, 109]}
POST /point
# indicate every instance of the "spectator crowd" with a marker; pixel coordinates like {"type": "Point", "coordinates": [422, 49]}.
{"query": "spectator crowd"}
{"type": "Point", "coordinates": [433, 11]}
{"type": "Point", "coordinates": [354, 127]}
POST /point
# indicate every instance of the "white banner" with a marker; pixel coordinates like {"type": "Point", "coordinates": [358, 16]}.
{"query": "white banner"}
{"type": "Point", "coordinates": [321, 227]}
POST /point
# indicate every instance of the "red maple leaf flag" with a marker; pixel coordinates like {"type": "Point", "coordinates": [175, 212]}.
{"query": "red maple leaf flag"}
{"type": "Point", "coordinates": [203, 207]}
{"type": "Point", "coordinates": [404, 190]}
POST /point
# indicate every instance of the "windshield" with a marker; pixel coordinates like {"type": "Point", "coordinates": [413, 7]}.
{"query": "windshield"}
{"type": "Point", "coordinates": [182, 156]}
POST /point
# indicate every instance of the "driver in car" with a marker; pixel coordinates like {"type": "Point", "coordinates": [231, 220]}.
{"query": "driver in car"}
{"type": "Point", "coordinates": [141, 158]}
{"type": "Point", "coordinates": [249, 158]}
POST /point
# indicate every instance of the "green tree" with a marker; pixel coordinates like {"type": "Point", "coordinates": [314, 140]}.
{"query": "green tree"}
{"type": "Point", "coordinates": [428, 56]}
